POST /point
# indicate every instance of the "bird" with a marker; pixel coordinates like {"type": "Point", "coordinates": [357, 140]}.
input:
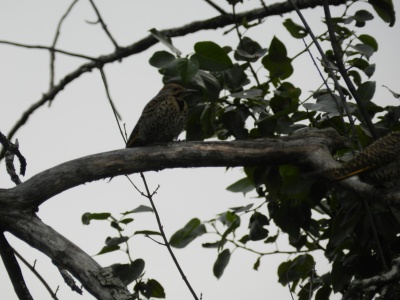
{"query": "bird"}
{"type": "Point", "coordinates": [378, 164]}
{"type": "Point", "coordinates": [163, 118]}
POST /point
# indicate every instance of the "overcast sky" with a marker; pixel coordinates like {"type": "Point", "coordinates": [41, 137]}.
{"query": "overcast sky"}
{"type": "Point", "coordinates": [79, 122]}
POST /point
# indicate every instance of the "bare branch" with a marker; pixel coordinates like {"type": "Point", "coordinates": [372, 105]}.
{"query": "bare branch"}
{"type": "Point", "coordinates": [13, 269]}
{"type": "Point", "coordinates": [219, 9]}
{"type": "Point", "coordinates": [103, 24]}
{"type": "Point", "coordinates": [33, 270]}
{"type": "Point", "coordinates": [47, 48]}
{"type": "Point", "coordinates": [52, 54]}
{"type": "Point", "coordinates": [310, 149]}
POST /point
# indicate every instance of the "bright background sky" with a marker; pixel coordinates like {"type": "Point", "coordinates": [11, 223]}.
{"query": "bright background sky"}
{"type": "Point", "coordinates": [79, 122]}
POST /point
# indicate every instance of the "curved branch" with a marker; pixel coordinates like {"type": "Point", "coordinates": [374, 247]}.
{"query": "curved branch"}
{"type": "Point", "coordinates": [310, 148]}
{"type": "Point", "coordinates": [145, 43]}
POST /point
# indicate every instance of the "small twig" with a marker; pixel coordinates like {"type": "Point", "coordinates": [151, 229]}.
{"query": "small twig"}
{"type": "Point", "coordinates": [337, 51]}
{"type": "Point", "coordinates": [160, 227]}
{"type": "Point", "coordinates": [100, 19]}
{"type": "Point", "coordinates": [332, 75]}
{"type": "Point", "coordinates": [115, 112]}
{"type": "Point", "coordinates": [13, 269]}
{"type": "Point", "coordinates": [220, 10]}
{"type": "Point", "coordinates": [33, 270]}
{"type": "Point", "coordinates": [11, 150]}
{"type": "Point", "coordinates": [48, 48]}
{"type": "Point", "coordinates": [52, 54]}
{"type": "Point", "coordinates": [146, 235]}
{"type": "Point", "coordinates": [68, 278]}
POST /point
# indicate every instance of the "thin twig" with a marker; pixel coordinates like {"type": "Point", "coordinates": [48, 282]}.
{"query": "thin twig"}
{"type": "Point", "coordinates": [115, 112]}
{"type": "Point", "coordinates": [52, 54]}
{"type": "Point", "coordinates": [13, 269]}
{"type": "Point", "coordinates": [160, 227]}
{"type": "Point", "coordinates": [220, 10]}
{"type": "Point", "coordinates": [103, 24]}
{"type": "Point", "coordinates": [331, 74]}
{"type": "Point", "coordinates": [48, 48]}
{"type": "Point", "coordinates": [337, 51]}
{"type": "Point", "coordinates": [33, 270]}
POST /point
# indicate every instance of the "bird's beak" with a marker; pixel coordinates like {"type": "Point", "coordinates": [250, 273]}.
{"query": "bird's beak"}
{"type": "Point", "coordinates": [190, 91]}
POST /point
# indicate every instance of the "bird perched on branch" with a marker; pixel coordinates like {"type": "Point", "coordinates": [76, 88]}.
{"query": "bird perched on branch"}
{"type": "Point", "coordinates": [378, 164]}
{"type": "Point", "coordinates": [162, 119]}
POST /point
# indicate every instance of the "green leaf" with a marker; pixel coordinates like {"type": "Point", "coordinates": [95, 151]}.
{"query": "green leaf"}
{"type": "Point", "coordinates": [364, 49]}
{"type": "Point", "coordinates": [277, 62]}
{"type": "Point", "coordinates": [396, 95]}
{"type": "Point", "coordinates": [385, 10]}
{"type": "Point", "coordinates": [257, 263]}
{"type": "Point", "coordinates": [370, 70]}
{"type": "Point", "coordinates": [369, 40]}
{"type": "Point", "coordinates": [298, 268]}
{"type": "Point", "coordinates": [235, 78]}
{"type": "Point", "coordinates": [87, 217]}
{"type": "Point", "coordinates": [326, 103]}
{"type": "Point", "coordinates": [256, 225]}
{"type": "Point", "coordinates": [107, 249]}
{"type": "Point", "coordinates": [248, 94]}
{"type": "Point", "coordinates": [161, 58]}
{"type": "Point", "coordinates": [139, 209]}
{"type": "Point", "coordinates": [147, 232]}
{"type": "Point", "coordinates": [187, 69]}
{"type": "Point", "coordinates": [367, 90]}
{"type": "Point", "coordinates": [151, 288]}
{"type": "Point", "coordinates": [243, 185]}
{"type": "Point", "coordinates": [297, 31]}
{"type": "Point", "coordinates": [126, 221]}
{"type": "Point", "coordinates": [187, 234]}
{"type": "Point", "coordinates": [211, 57]}
{"type": "Point", "coordinates": [242, 208]}
{"type": "Point", "coordinates": [249, 50]}
{"type": "Point", "coordinates": [116, 240]}
{"type": "Point", "coordinates": [221, 263]}
{"type": "Point", "coordinates": [165, 40]}
{"type": "Point", "coordinates": [361, 17]}
{"type": "Point", "coordinates": [129, 272]}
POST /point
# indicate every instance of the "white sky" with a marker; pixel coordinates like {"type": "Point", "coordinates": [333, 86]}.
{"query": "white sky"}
{"type": "Point", "coordinates": [80, 122]}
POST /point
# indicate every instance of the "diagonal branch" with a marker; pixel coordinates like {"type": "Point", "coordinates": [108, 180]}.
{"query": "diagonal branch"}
{"type": "Point", "coordinates": [145, 43]}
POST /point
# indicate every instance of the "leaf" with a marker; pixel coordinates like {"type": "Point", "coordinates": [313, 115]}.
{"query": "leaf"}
{"type": "Point", "coordinates": [256, 225]}
{"type": "Point", "coordinates": [187, 234]}
{"type": "Point", "coordinates": [116, 240]}
{"type": "Point", "coordinates": [187, 69]}
{"type": "Point", "coordinates": [161, 58]}
{"type": "Point", "coordinates": [385, 10]}
{"type": "Point", "coordinates": [297, 31]}
{"type": "Point", "coordinates": [221, 263]}
{"type": "Point", "coordinates": [87, 217]}
{"type": "Point", "coordinates": [126, 221]}
{"type": "Point", "coordinates": [368, 40]}
{"type": "Point", "coordinates": [242, 208]}
{"type": "Point", "coordinates": [361, 17]}
{"type": "Point", "coordinates": [129, 272]}
{"type": "Point", "coordinates": [107, 249]}
{"type": "Point", "coordinates": [165, 40]}
{"type": "Point", "coordinates": [235, 78]}
{"type": "Point", "coordinates": [257, 263]}
{"type": "Point", "coordinates": [298, 268]}
{"type": "Point", "coordinates": [249, 50]}
{"type": "Point", "coordinates": [248, 94]}
{"type": "Point", "coordinates": [151, 288]}
{"type": "Point", "coordinates": [147, 232]}
{"type": "Point", "coordinates": [139, 209]}
{"type": "Point", "coordinates": [243, 185]}
{"type": "Point", "coordinates": [277, 62]}
{"type": "Point", "coordinates": [396, 95]}
{"type": "Point", "coordinates": [367, 90]}
{"type": "Point", "coordinates": [364, 49]}
{"type": "Point", "coordinates": [211, 57]}
{"type": "Point", "coordinates": [326, 103]}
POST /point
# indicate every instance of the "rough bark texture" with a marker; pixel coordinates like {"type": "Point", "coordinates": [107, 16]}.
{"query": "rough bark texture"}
{"type": "Point", "coordinates": [311, 149]}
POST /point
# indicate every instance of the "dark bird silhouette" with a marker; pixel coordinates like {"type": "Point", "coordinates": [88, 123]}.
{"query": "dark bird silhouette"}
{"type": "Point", "coordinates": [378, 164]}
{"type": "Point", "coordinates": [162, 119]}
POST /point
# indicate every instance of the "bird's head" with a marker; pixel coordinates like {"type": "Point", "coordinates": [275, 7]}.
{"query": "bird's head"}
{"type": "Point", "coordinates": [176, 90]}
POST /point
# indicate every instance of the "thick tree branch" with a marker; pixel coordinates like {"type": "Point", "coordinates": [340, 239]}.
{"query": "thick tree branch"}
{"type": "Point", "coordinates": [142, 45]}
{"type": "Point", "coordinates": [310, 148]}
{"type": "Point", "coordinates": [29, 228]}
